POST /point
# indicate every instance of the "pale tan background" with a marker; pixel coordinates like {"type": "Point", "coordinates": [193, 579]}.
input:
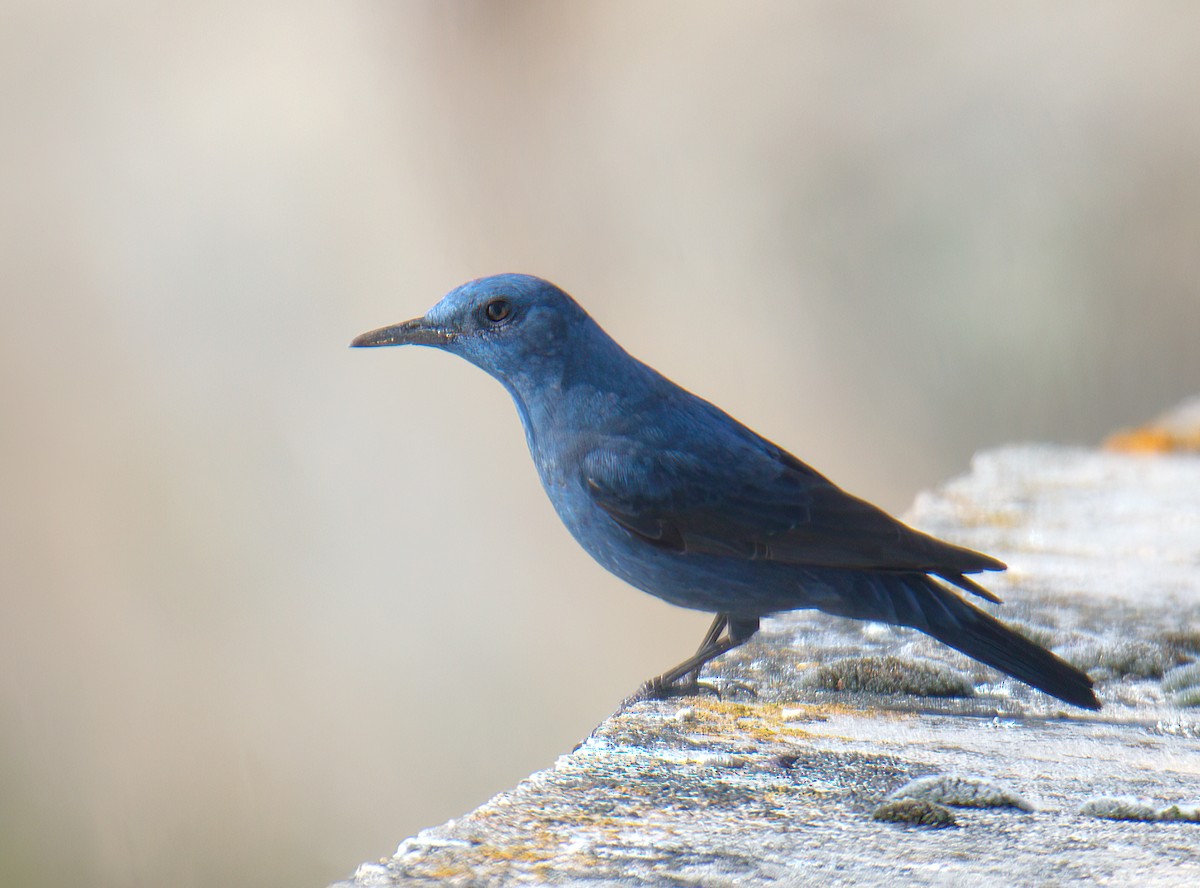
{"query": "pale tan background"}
{"type": "Point", "coordinates": [269, 604]}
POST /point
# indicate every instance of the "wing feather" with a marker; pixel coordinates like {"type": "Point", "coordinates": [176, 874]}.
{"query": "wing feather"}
{"type": "Point", "coordinates": [760, 502]}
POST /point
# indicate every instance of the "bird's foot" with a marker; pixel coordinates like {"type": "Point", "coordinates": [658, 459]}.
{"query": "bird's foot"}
{"type": "Point", "coordinates": [728, 690]}
{"type": "Point", "coordinates": [657, 689]}
{"type": "Point", "coordinates": [691, 686]}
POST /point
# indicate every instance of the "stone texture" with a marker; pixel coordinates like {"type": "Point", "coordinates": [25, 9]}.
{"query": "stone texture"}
{"type": "Point", "coordinates": [961, 792]}
{"type": "Point", "coordinates": [1104, 555]}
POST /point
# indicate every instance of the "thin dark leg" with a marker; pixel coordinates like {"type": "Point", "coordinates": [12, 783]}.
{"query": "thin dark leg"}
{"type": "Point", "coordinates": [720, 621]}
{"type": "Point", "coordinates": [736, 631]}
{"type": "Point", "coordinates": [714, 632]}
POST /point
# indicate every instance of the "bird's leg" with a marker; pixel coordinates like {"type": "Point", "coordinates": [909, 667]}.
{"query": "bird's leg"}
{"type": "Point", "coordinates": [736, 631]}
{"type": "Point", "coordinates": [719, 623]}
{"type": "Point", "coordinates": [692, 681]}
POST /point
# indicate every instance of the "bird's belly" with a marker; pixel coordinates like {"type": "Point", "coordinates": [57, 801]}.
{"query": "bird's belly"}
{"type": "Point", "coordinates": [702, 582]}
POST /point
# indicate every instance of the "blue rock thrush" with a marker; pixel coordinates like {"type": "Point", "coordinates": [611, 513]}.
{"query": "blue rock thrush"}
{"type": "Point", "coordinates": [679, 499]}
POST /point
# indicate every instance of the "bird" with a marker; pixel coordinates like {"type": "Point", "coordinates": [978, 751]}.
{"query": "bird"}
{"type": "Point", "coordinates": [679, 499]}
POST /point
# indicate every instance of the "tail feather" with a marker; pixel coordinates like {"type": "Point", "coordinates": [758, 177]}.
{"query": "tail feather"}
{"type": "Point", "coordinates": [918, 601]}
{"type": "Point", "coordinates": [967, 584]}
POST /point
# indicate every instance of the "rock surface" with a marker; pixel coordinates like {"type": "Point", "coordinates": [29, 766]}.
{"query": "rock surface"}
{"type": "Point", "coordinates": [811, 782]}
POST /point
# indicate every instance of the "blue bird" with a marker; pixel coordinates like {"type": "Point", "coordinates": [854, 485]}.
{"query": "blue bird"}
{"type": "Point", "coordinates": [680, 500]}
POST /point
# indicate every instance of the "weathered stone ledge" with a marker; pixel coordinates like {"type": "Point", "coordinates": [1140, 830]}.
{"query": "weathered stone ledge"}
{"type": "Point", "coordinates": [811, 781]}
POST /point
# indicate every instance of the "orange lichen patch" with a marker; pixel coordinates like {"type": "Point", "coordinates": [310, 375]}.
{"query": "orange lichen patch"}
{"type": "Point", "coordinates": [767, 722]}
{"type": "Point", "coordinates": [1176, 431]}
{"type": "Point", "coordinates": [517, 852]}
{"type": "Point", "coordinates": [1154, 439]}
{"type": "Point", "coordinates": [451, 871]}
{"type": "Point", "coordinates": [758, 721]}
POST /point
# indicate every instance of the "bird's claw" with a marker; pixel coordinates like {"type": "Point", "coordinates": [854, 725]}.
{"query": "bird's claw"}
{"type": "Point", "coordinates": [732, 688]}
{"type": "Point", "coordinates": [657, 689]}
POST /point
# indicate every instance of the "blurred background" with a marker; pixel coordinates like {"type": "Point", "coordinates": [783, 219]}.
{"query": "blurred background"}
{"type": "Point", "coordinates": [269, 605]}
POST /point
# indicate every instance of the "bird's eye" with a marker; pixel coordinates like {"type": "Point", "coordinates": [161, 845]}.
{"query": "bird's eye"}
{"type": "Point", "coordinates": [497, 310]}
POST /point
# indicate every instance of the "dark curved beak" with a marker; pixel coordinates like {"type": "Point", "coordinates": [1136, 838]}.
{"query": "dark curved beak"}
{"type": "Point", "coordinates": [418, 331]}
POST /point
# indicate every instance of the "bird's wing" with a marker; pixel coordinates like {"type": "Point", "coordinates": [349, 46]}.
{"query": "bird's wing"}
{"type": "Point", "coordinates": [760, 502]}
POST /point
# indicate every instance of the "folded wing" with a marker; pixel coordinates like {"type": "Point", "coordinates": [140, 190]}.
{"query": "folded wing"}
{"type": "Point", "coordinates": [759, 502]}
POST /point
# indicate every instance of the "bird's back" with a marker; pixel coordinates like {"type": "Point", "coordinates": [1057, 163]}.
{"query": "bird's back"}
{"type": "Point", "coordinates": [631, 453]}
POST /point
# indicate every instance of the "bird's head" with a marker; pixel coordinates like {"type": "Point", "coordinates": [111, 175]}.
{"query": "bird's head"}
{"type": "Point", "coordinates": [510, 325]}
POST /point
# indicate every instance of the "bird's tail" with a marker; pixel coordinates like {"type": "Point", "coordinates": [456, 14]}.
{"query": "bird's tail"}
{"type": "Point", "coordinates": [918, 601]}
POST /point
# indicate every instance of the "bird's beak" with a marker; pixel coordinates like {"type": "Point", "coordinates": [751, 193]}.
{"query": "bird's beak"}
{"type": "Point", "coordinates": [418, 331]}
